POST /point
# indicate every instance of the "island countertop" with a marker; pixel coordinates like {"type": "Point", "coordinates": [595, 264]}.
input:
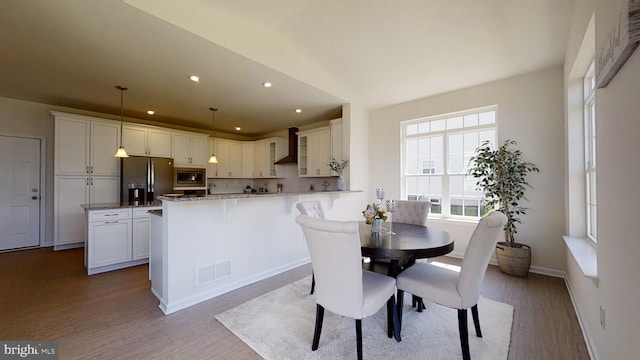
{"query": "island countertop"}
{"type": "Point", "coordinates": [120, 205]}
{"type": "Point", "coordinates": [252, 195]}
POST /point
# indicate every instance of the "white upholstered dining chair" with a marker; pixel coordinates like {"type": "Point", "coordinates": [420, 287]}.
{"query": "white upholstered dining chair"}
{"type": "Point", "coordinates": [456, 290]}
{"type": "Point", "coordinates": [411, 212]}
{"type": "Point", "coordinates": [342, 287]}
{"type": "Point", "coordinates": [312, 208]}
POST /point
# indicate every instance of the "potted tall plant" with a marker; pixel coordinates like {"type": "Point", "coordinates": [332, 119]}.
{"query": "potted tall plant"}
{"type": "Point", "coordinates": [501, 176]}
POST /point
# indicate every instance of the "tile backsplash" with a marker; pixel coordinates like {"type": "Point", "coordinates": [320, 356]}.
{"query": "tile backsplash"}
{"type": "Point", "coordinates": [290, 183]}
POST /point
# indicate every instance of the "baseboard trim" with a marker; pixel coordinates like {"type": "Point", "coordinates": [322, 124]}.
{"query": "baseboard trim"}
{"type": "Point", "coordinates": [534, 269]}
{"type": "Point", "coordinates": [588, 339]}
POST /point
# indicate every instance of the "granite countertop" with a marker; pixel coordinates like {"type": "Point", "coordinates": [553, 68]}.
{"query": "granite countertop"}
{"type": "Point", "coordinates": [249, 195]}
{"type": "Point", "coordinates": [120, 205]}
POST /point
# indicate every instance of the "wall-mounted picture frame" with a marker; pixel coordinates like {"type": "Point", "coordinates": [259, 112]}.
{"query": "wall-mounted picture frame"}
{"type": "Point", "coordinates": [622, 41]}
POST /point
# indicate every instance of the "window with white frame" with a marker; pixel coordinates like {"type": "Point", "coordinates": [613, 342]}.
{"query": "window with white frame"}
{"type": "Point", "coordinates": [435, 158]}
{"type": "Point", "coordinates": [590, 152]}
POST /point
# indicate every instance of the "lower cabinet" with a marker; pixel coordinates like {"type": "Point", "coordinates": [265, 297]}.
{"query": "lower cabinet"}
{"type": "Point", "coordinates": [140, 234]}
{"type": "Point", "coordinates": [117, 238]}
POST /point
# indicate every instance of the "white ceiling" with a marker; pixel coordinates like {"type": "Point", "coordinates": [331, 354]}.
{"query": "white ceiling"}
{"type": "Point", "coordinates": [318, 54]}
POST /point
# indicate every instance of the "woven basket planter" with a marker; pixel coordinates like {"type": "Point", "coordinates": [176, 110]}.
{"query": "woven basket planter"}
{"type": "Point", "coordinates": [514, 261]}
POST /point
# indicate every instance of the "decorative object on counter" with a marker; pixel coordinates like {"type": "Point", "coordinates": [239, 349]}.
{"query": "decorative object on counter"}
{"type": "Point", "coordinates": [375, 215]}
{"type": "Point", "coordinates": [213, 159]}
{"type": "Point", "coordinates": [121, 153]}
{"type": "Point", "coordinates": [339, 167]}
{"type": "Point", "coordinates": [279, 187]}
{"type": "Point", "coordinates": [391, 206]}
{"type": "Point", "coordinates": [380, 195]}
{"type": "Point", "coordinates": [311, 188]}
{"type": "Point", "coordinates": [325, 185]}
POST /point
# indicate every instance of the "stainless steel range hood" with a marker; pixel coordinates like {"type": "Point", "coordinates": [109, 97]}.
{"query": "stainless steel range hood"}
{"type": "Point", "coordinates": [292, 157]}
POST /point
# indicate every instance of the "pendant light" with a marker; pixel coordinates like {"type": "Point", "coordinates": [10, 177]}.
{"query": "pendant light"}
{"type": "Point", "coordinates": [121, 153]}
{"type": "Point", "coordinates": [213, 159]}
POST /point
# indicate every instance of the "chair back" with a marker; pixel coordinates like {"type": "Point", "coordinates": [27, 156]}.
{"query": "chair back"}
{"type": "Point", "coordinates": [334, 247]}
{"type": "Point", "coordinates": [476, 257]}
{"type": "Point", "coordinates": [411, 212]}
{"type": "Point", "coordinates": [312, 208]}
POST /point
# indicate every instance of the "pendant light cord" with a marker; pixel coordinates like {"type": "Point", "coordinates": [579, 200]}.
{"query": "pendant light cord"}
{"type": "Point", "coordinates": [122, 90]}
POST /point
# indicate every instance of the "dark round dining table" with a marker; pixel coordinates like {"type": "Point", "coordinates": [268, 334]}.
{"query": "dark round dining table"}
{"type": "Point", "coordinates": [409, 243]}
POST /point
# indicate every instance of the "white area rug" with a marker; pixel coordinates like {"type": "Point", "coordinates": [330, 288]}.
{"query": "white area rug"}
{"type": "Point", "coordinates": [279, 325]}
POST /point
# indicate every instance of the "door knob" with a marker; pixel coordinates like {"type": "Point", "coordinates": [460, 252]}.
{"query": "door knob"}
{"type": "Point", "coordinates": [34, 197]}
{"type": "Point", "coordinates": [34, 190]}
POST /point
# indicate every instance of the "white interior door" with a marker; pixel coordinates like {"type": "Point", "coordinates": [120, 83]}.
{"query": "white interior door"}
{"type": "Point", "coordinates": [19, 192]}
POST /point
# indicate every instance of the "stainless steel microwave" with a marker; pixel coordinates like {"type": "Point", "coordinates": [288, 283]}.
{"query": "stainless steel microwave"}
{"type": "Point", "coordinates": [189, 179]}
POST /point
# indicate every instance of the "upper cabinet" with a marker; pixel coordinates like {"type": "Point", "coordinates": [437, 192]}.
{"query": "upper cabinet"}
{"type": "Point", "coordinates": [143, 140]}
{"type": "Point", "coordinates": [189, 149]}
{"type": "Point", "coordinates": [85, 146]}
{"type": "Point", "coordinates": [229, 154]}
{"type": "Point", "coordinates": [314, 152]}
{"type": "Point", "coordinates": [267, 152]}
{"type": "Point", "coordinates": [248, 159]}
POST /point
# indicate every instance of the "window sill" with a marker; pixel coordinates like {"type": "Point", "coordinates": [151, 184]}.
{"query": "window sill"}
{"type": "Point", "coordinates": [585, 255]}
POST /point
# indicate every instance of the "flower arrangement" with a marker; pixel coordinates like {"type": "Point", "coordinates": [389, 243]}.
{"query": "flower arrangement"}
{"type": "Point", "coordinates": [373, 212]}
{"type": "Point", "coordinates": [338, 166]}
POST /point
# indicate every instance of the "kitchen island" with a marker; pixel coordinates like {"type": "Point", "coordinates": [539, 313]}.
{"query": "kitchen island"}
{"type": "Point", "coordinates": [117, 235]}
{"type": "Point", "coordinates": [202, 247]}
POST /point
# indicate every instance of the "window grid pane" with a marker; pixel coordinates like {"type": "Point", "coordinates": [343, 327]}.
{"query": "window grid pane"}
{"type": "Point", "coordinates": [436, 158]}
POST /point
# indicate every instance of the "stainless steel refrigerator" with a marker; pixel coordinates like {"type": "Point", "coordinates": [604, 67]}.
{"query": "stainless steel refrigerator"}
{"type": "Point", "coordinates": [143, 178]}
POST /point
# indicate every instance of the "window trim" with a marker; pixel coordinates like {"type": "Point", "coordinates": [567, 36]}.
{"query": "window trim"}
{"type": "Point", "coordinates": [590, 167]}
{"type": "Point", "coordinates": [445, 202]}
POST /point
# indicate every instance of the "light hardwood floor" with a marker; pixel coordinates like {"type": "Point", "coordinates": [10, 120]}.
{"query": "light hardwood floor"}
{"type": "Point", "coordinates": [46, 295]}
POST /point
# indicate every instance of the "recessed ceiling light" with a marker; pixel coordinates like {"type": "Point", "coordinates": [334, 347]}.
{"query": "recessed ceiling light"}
{"type": "Point", "coordinates": [266, 84]}
{"type": "Point", "coordinates": [194, 78]}
{"type": "Point", "coordinates": [298, 111]}
{"type": "Point", "coordinates": [238, 128]}
{"type": "Point", "coordinates": [150, 112]}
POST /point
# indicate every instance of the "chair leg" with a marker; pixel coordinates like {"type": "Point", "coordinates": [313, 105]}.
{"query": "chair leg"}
{"type": "Point", "coordinates": [393, 328]}
{"type": "Point", "coordinates": [399, 305]}
{"type": "Point", "coordinates": [359, 338]}
{"type": "Point", "coordinates": [476, 320]}
{"type": "Point", "coordinates": [464, 334]}
{"type": "Point", "coordinates": [417, 303]}
{"type": "Point", "coordinates": [313, 283]}
{"type": "Point", "coordinates": [318, 328]}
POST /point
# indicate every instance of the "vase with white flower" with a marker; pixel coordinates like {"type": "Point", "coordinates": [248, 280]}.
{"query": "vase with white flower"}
{"type": "Point", "coordinates": [375, 216]}
{"type": "Point", "coordinates": [338, 167]}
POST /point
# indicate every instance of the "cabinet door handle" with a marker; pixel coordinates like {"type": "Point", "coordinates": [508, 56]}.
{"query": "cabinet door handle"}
{"type": "Point", "coordinates": [87, 170]}
{"type": "Point", "coordinates": [111, 222]}
{"type": "Point", "coordinates": [110, 214]}
{"type": "Point", "coordinates": [91, 169]}
{"type": "Point", "coordinates": [87, 181]}
{"type": "Point", "coordinates": [91, 182]}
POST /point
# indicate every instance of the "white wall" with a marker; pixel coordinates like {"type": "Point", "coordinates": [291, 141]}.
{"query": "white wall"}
{"type": "Point", "coordinates": [530, 111]}
{"type": "Point", "coordinates": [618, 247]}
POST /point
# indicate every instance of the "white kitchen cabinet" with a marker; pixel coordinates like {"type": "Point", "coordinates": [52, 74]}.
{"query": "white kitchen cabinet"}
{"type": "Point", "coordinates": [85, 146]}
{"type": "Point", "coordinates": [267, 152]}
{"type": "Point", "coordinates": [143, 140]}
{"type": "Point", "coordinates": [109, 238]}
{"type": "Point", "coordinates": [85, 172]}
{"type": "Point", "coordinates": [314, 152]}
{"type": "Point", "coordinates": [140, 245]}
{"type": "Point", "coordinates": [248, 159]}
{"type": "Point", "coordinates": [70, 193]}
{"type": "Point", "coordinates": [229, 154]}
{"type": "Point", "coordinates": [189, 149]}
{"type": "Point", "coordinates": [117, 238]}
